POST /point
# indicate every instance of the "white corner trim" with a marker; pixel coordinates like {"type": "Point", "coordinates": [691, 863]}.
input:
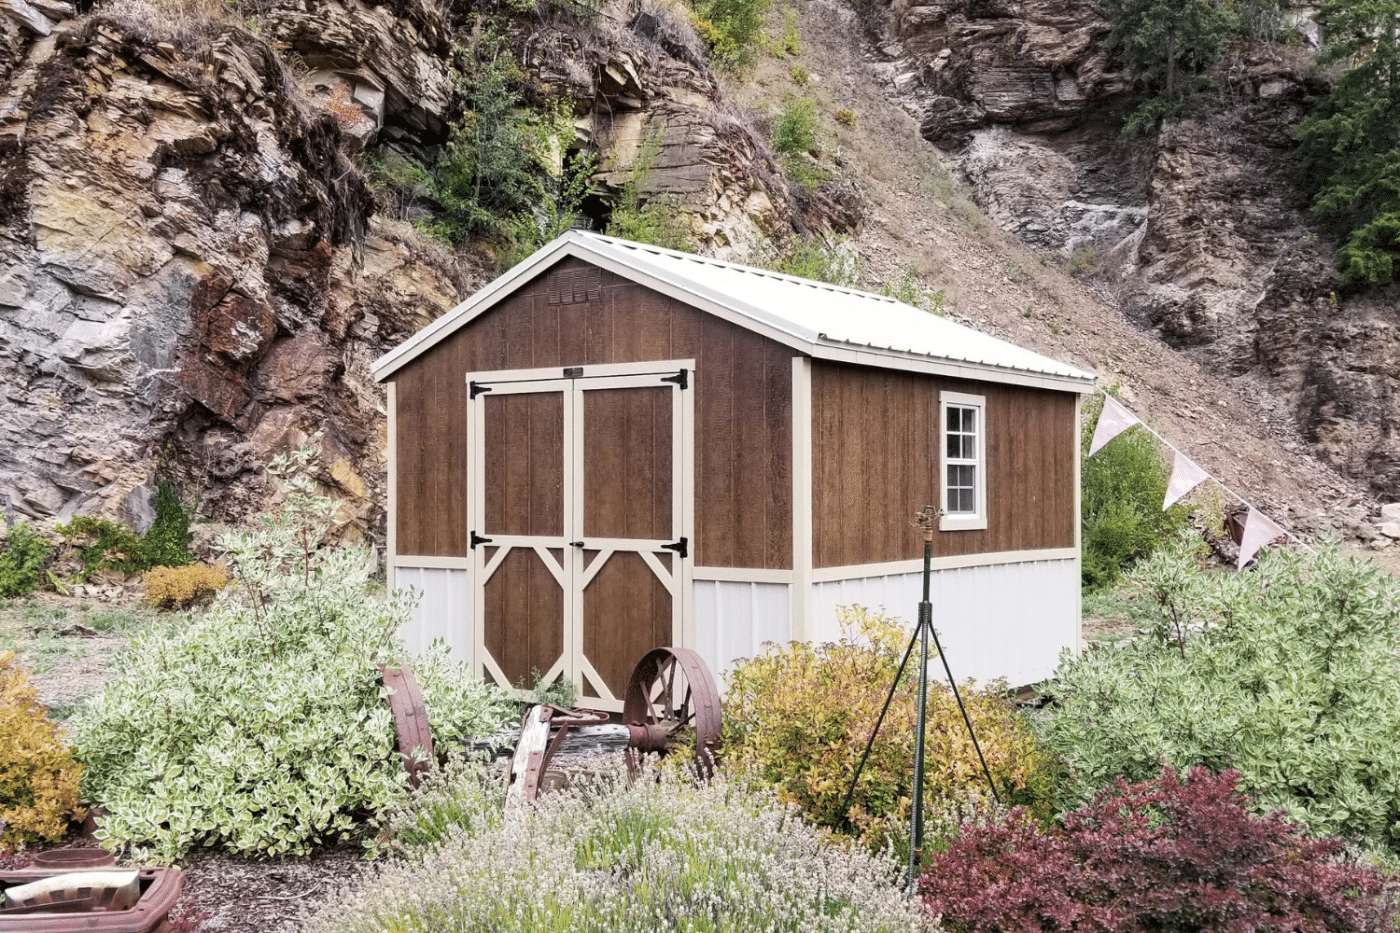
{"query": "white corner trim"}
{"type": "Point", "coordinates": [963, 522]}
{"type": "Point", "coordinates": [1078, 528]}
{"type": "Point", "coordinates": [391, 520]}
{"type": "Point", "coordinates": [957, 562]}
{"type": "Point", "coordinates": [427, 562]}
{"type": "Point", "coordinates": [741, 575]}
{"type": "Point", "coordinates": [801, 496]}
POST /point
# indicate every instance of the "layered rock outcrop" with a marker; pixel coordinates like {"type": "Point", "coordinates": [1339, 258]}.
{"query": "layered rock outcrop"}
{"type": "Point", "coordinates": [192, 275]}
{"type": "Point", "coordinates": [185, 267]}
{"type": "Point", "coordinates": [1200, 231]}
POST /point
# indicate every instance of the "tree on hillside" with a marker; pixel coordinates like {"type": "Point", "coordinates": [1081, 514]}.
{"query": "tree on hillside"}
{"type": "Point", "coordinates": [1350, 144]}
{"type": "Point", "coordinates": [1165, 44]}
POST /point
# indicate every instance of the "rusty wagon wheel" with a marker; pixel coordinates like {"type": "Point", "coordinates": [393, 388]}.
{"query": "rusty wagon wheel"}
{"type": "Point", "coordinates": [672, 696]}
{"type": "Point", "coordinates": [413, 740]}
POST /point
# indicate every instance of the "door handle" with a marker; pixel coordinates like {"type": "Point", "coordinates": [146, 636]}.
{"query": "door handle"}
{"type": "Point", "coordinates": [575, 544]}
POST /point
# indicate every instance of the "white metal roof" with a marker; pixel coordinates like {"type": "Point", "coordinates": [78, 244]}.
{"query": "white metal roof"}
{"type": "Point", "coordinates": [824, 321]}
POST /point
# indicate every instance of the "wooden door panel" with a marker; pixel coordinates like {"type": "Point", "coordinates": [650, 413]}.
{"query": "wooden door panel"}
{"type": "Point", "coordinates": [627, 463]}
{"type": "Point", "coordinates": [523, 615]}
{"type": "Point", "coordinates": [627, 611]}
{"type": "Point", "coordinates": [523, 438]}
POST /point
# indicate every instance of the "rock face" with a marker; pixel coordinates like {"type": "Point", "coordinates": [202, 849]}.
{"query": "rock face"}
{"type": "Point", "coordinates": [192, 277]}
{"type": "Point", "coordinates": [184, 264]}
{"type": "Point", "coordinates": [1199, 230]}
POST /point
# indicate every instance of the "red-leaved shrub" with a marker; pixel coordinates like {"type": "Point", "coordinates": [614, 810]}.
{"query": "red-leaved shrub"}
{"type": "Point", "coordinates": [1164, 855]}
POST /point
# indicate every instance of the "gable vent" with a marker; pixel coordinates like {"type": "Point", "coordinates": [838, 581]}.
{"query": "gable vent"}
{"type": "Point", "coordinates": [574, 286]}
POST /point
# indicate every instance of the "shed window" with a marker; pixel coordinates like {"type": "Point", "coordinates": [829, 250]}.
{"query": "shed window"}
{"type": "Point", "coordinates": [964, 461]}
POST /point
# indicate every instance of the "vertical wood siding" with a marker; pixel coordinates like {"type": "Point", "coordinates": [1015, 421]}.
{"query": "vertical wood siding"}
{"type": "Point", "coordinates": [575, 314]}
{"type": "Point", "coordinates": [875, 463]}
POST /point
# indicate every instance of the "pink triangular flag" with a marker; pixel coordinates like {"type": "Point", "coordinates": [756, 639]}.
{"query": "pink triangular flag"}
{"type": "Point", "coordinates": [1113, 421]}
{"type": "Point", "coordinates": [1259, 530]}
{"type": "Point", "coordinates": [1186, 476]}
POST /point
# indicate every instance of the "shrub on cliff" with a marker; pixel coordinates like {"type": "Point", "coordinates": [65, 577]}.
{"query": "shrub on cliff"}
{"type": "Point", "coordinates": [261, 726]}
{"type": "Point", "coordinates": [1288, 674]}
{"type": "Point", "coordinates": [1161, 855]}
{"type": "Point", "coordinates": [22, 561]}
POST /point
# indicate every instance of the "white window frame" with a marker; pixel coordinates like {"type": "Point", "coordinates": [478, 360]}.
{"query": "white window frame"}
{"type": "Point", "coordinates": [962, 521]}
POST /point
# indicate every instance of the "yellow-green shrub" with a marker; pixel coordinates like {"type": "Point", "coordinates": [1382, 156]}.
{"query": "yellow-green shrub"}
{"type": "Point", "coordinates": [801, 716]}
{"type": "Point", "coordinates": [38, 776]}
{"type": "Point", "coordinates": [182, 587]}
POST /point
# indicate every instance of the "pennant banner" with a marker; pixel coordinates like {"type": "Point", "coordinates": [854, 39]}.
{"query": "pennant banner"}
{"type": "Point", "coordinates": [1258, 531]}
{"type": "Point", "coordinates": [1186, 476]}
{"type": "Point", "coordinates": [1113, 421]}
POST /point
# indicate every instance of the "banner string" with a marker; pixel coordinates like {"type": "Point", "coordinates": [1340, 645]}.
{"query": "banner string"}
{"type": "Point", "coordinates": [1241, 499]}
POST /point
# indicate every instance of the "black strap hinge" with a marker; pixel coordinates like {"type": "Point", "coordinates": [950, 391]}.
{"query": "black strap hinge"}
{"type": "Point", "coordinates": [681, 547]}
{"type": "Point", "coordinates": [681, 379]}
{"type": "Point", "coordinates": [476, 388]}
{"type": "Point", "coordinates": [478, 539]}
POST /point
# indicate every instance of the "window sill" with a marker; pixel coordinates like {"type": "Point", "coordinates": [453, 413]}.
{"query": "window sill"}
{"type": "Point", "coordinates": [962, 523]}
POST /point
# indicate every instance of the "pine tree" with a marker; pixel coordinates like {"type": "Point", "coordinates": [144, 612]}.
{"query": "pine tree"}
{"type": "Point", "coordinates": [1350, 144]}
{"type": "Point", "coordinates": [1165, 43]}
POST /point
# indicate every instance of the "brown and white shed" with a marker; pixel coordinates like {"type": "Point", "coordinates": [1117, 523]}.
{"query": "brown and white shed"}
{"type": "Point", "coordinates": [614, 447]}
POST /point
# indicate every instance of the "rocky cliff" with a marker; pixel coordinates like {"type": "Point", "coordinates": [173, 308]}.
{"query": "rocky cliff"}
{"type": "Point", "coordinates": [193, 275]}
{"type": "Point", "coordinates": [1199, 231]}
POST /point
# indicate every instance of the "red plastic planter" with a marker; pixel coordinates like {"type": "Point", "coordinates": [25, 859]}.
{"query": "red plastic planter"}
{"type": "Point", "coordinates": [160, 889]}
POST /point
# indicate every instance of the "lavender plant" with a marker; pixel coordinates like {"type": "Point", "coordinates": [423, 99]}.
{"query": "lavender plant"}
{"type": "Point", "coordinates": [660, 854]}
{"type": "Point", "coordinates": [261, 725]}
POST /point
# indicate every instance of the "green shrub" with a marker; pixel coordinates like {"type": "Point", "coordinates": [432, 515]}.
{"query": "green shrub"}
{"type": "Point", "coordinates": [38, 776]}
{"type": "Point", "coordinates": [496, 165]}
{"type": "Point", "coordinates": [654, 221]}
{"type": "Point", "coordinates": [846, 117]}
{"type": "Point", "coordinates": [813, 258]}
{"type": "Point", "coordinates": [800, 715]}
{"type": "Point", "coordinates": [1122, 490]}
{"type": "Point", "coordinates": [1288, 674]}
{"type": "Point", "coordinates": [22, 561]}
{"type": "Point", "coordinates": [800, 76]}
{"type": "Point", "coordinates": [791, 43]}
{"type": "Point", "coordinates": [261, 726]}
{"type": "Point", "coordinates": [909, 290]}
{"type": "Point", "coordinates": [167, 542]}
{"type": "Point", "coordinates": [795, 127]}
{"type": "Point", "coordinates": [103, 545]}
{"type": "Point", "coordinates": [459, 797]}
{"type": "Point", "coordinates": [659, 854]}
{"type": "Point", "coordinates": [731, 28]}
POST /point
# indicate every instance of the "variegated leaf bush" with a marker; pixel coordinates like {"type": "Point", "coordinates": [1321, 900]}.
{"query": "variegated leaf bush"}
{"type": "Point", "coordinates": [260, 725]}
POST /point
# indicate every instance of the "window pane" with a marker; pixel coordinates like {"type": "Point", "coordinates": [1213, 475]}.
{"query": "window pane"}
{"type": "Point", "coordinates": [954, 424]}
{"type": "Point", "coordinates": [969, 419]}
{"type": "Point", "coordinates": [954, 446]}
{"type": "Point", "coordinates": [969, 446]}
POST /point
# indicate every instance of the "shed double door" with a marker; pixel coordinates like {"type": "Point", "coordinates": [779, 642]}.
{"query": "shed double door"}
{"type": "Point", "coordinates": [580, 542]}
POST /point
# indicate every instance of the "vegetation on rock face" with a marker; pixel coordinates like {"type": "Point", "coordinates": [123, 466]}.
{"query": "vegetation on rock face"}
{"type": "Point", "coordinates": [1288, 674]}
{"type": "Point", "coordinates": [731, 28]}
{"type": "Point", "coordinates": [800, 716]}
{"type": "Point", "coordinates": [22, 561]}
{"type": "Point", "coordinates": [1123, 487]}
{"type": "Point", "coordinates": [494, 168]}
{"type": "Point", "coordinates": [167, 542]}
{"type": "Point", "coordinates": [38, 776]}
{"type": "Point", "coordinates": [1162, 855]}
{"type": "Point", "coordinates": [652, 221]}
{"type": "Point", "coordinates": [261, 725]}
{"type": "Point", "coordinates": [1349, 143]}
{"type": "Point", "coordinates": [609, 855]}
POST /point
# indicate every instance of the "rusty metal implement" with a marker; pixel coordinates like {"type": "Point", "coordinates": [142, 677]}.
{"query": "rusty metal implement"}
{"type": "Point", "coordinates": [532, 755]}
{"type": "Point", "coordinates": [413, 740]}
{"type": "Point", "coordinates": [672, 697]}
